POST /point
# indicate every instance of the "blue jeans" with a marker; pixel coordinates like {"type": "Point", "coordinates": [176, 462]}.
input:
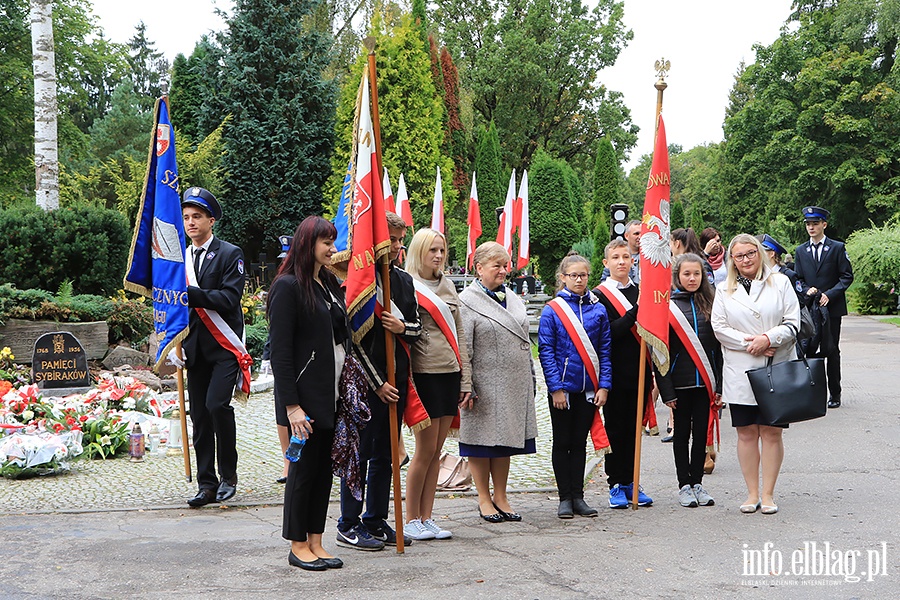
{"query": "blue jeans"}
{"type": "Point", "coordinates": [375, 468]}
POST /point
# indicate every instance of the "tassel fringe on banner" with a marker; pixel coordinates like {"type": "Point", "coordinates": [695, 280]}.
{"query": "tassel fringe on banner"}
{"type": "Point", "coordinates": [659, 349]}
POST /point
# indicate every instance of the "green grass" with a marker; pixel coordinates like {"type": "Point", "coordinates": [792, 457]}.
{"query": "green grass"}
{"type": "Point", "coordinates": [892, 321]}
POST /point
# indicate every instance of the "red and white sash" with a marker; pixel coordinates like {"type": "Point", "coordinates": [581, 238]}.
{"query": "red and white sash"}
{"type": "Point", "coordinates": [440, 312]}
{"type": "Point", "coordinates": [694, 348]}
{"type": "Point", "coordinates": [579, 336]}
{"type": "Point", "coordinates": [222, 332]}
{"type": "Point", "coordinates": [575, 328]}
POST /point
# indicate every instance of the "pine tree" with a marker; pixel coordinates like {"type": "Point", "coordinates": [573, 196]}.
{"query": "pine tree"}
{"type": "Point", "coordinates": [149, 68]}
{"type": "Point", "coordinates": [457, 140]}
{"type": "Point", "coordinates": [280, 137]}
{"type": "Point", "coordinates": [553, 221]}
{"type": "Point", "coordinates": [411, 114]}
{"type": "Point", "coordinates": [490, 178]}
{"type": "Point", "coordinates": [605, 193]}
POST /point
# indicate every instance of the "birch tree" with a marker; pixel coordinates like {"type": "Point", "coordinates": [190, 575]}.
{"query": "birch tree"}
{"type": "Point", "coordinates": [46, 154]}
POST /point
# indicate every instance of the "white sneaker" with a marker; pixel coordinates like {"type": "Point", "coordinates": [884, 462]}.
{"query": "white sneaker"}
{"type": "Point", "coordinates": [703, 498]}
{"type": "Point", "coordinates": [439, 534]}
{"type": "Point", "coordinates": [416, 530]}
{"type": "Point", "coordinates": [686, 497]}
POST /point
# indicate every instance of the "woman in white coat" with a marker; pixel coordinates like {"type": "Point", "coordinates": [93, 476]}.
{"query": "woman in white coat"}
{"type": "Point", "coordinates": [751, 315]}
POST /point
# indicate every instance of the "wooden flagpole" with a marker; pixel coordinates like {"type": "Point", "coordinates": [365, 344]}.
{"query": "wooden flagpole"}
{"type": "Point", "coordinates": [662, 67]}
{"type": "Point", "coordinates": [639, 428]}
{"type": "Point", "coordinates": [183, 415]}
{"type": "Point", "coordinates": [384, 267]}
{"type": "Point", "coordinates": [179, 351]}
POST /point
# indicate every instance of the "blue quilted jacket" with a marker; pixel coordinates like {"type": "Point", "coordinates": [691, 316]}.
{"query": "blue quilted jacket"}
{"type": "Point", "coordinates": [563, 369]}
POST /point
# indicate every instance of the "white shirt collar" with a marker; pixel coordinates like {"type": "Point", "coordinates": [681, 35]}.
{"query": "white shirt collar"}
{"type": "Point", "coordinates": [204, 246]}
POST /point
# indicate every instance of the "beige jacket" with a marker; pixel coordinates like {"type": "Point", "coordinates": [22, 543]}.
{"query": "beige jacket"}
{"type": "Point", "coordinates": [432, 352]}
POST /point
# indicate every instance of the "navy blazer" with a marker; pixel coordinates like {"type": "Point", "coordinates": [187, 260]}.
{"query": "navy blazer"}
{"type": "Point", "coordinates": [221, 285]}
{"type": "Point", "coordinates": [832, 275]}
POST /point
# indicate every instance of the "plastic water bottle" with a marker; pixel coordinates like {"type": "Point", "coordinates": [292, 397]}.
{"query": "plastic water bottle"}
{"type": "Point", "coordinates": [294, 450]}
{"type": "Point", "coordinates": [296, 447]}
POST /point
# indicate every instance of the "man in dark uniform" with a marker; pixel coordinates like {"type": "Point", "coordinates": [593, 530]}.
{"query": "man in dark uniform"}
{"type": "Point", "coordinates": [216, 285]}
{"type": "Point", "coordinates": [824, 273]}
{"type": "Point", "coordinates": [371, 531]}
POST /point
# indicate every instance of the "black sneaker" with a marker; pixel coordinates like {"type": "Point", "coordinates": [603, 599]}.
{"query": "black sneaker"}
{"type": "Point", "coordinates": [359, 538]}
{"type": "Point", "coordinates": [388, 536]}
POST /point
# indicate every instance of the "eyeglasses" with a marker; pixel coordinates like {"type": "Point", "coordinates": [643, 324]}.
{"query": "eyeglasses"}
{"type": "Point", "coordinates": [576, 276]}
{"type": "Point", "coordinates": [745, 256]}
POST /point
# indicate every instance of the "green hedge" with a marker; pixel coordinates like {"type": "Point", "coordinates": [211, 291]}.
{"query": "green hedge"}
{"type": "Point", "coordinates": [86, 245]}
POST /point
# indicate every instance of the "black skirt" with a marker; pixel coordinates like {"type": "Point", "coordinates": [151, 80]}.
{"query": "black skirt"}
{"type": "Point", "coordinates": [743, 415]}
{"type": "Point", "coordinates": [439, 393]}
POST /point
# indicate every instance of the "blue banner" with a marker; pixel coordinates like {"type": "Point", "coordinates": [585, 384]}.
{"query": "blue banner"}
{"type": "Point", "coordinates": [342, 217]}
{"type": "Point", "coordinates": [156, 264]}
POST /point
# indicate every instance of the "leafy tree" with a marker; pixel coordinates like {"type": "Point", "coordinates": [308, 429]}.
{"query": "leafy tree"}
{"type": "Point", "coordinates": [489, 178]}
{"type": "Point", "coordinates": [412, 133]}
{"type": "Point", "coordinates": [281, 133]}
{"type": "Point", "coordinates": [605, 193]}
{"type": "Point", "coordinates": [554, 223]}
{"type": "Point", "coordinates": [813, 120]}
{"type": "Point", "coordinates": [525, 62]}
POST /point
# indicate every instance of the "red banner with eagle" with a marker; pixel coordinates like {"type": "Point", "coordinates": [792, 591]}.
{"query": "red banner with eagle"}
{"type": "Point", "coordinates": [656, 257]}
{"type": "Point", "coordinates": [371, 238]}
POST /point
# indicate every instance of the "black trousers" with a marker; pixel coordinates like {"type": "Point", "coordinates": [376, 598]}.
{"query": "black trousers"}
{"type": "Point", "coordinates": [620, 411]}
{"type": "Point", "coordinates": [375, 467]}
{"type": "Point", "coordinates": [210, 383]}
{"type": "Point", "coordinates": [833, 362]}
{"type": "Point", "coordinates": [308, 488]}
{"type": "Point", "coordinates": [691, 421]}
{"type": "Point", "coordinates": [570, 429]}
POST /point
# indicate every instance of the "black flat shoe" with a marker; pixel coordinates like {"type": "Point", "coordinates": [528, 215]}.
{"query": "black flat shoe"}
{"type": "Point", "coordinates": [203, 498]}
{"type": "Point", "coordinates": [497, 518]}
{"type": "Point", "coordinates": [565, 510]}
{"type": "Point", "coordinates": [580, 507]}
{"type": "Point", "coordinates": [834, 402]}
{"type": "Point", "coordinates": [508, 516]}
{"type": "Point", "coordinates": [315, 565]}
{"type": "Point", "coordinates": [332, 563]}
{"type": "Point", "coordinates": [226, 490]}
{"type": "Point", "coordinates": [281, 480]}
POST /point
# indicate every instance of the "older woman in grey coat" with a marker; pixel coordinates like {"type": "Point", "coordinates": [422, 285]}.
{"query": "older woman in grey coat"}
{"type": "Point", "coordinates": [501, 421]}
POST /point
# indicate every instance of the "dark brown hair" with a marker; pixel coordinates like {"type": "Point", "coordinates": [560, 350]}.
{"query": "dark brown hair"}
{"type": "Point", "coordinates": [704, 295]}
{"type": "Point", "coordinates": [301, 259]}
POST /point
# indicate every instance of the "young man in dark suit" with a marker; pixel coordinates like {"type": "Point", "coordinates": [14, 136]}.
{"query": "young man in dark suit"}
{"type": "Point", "coordinates": [824, 272]}
{"type": "Point", "coordinates": [218, 270]}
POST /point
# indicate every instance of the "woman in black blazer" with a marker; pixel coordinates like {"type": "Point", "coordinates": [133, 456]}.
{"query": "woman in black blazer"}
{"type": "Point", "coordinates": [309, 333]}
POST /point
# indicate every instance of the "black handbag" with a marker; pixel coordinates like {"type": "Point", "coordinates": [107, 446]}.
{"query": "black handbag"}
{"type": "Point", "coordinates": [790, 391]}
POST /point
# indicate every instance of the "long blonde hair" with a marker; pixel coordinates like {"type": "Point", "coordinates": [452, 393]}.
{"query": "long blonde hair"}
{"type": "Point", "coordinates": [418, 250]}
{"type": "Point", "coordinates": [731, 281]}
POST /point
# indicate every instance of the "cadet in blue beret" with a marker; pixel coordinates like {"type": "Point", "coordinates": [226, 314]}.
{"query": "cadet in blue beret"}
{"type": "Point", "coordinates": [824, 274]}
{"type": "Point", "coordinates": [216, 283]}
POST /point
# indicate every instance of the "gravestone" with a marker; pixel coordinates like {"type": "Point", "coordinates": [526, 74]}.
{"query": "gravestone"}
{"type": "Point", "coordinates": [60, 364]}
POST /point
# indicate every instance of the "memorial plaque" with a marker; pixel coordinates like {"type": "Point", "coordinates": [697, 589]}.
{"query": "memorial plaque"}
{"type": "Point", "coordinates": [120, 355]}
{"type": "Point", "coordinates": [60, 363]}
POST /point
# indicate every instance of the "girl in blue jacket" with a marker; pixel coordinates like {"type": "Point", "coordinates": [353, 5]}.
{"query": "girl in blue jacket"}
{"type": "Point", "coordinates": [572, 395]}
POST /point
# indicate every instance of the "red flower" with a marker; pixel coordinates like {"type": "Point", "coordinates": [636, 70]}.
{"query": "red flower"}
{"type": "Point", "coordinates": [117, 394]}
{"type": "Point", "coordinates": [83, 418]}
{"type": "Point", "coordinates": [57, 427]}
{"type": "Point", "coordinates": [70, 421]}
